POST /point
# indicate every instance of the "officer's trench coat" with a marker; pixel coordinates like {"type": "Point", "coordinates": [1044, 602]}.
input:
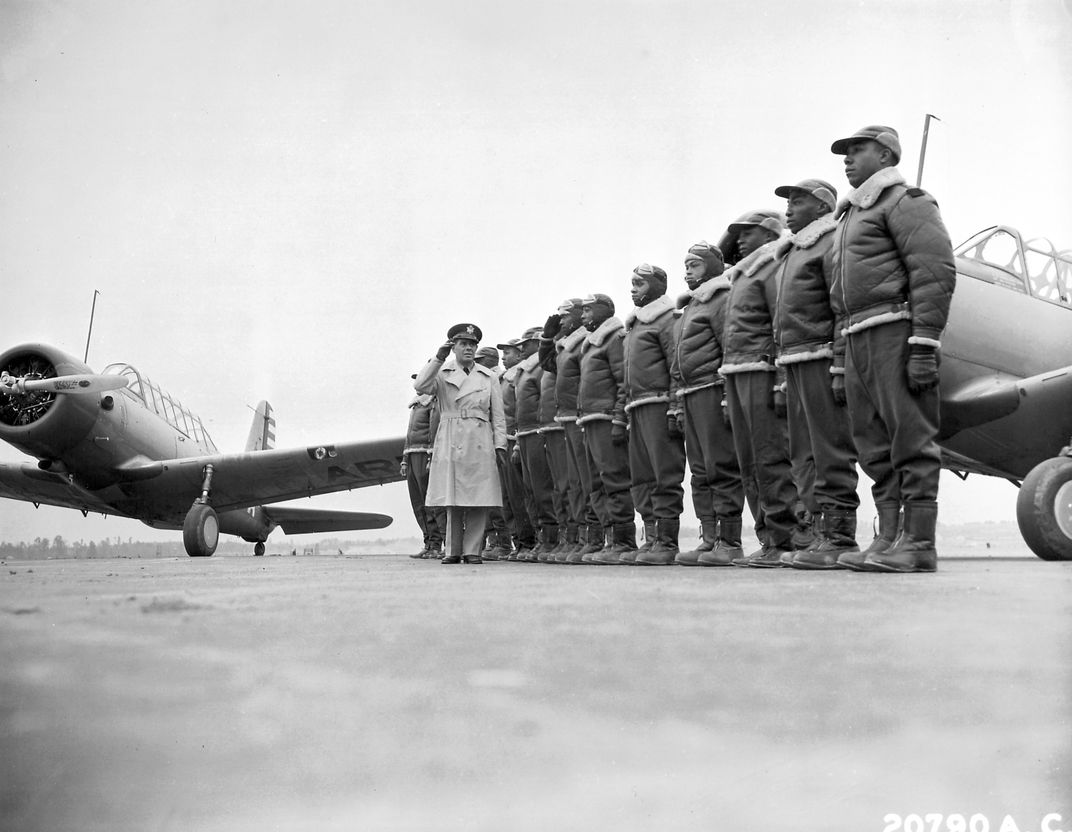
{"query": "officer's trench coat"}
{"type": "Point", "coordinates": [471, 427]}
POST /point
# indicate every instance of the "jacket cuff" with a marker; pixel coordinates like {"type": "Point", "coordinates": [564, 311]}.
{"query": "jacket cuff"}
{"type": "Point", "coordinates": [922, 338]}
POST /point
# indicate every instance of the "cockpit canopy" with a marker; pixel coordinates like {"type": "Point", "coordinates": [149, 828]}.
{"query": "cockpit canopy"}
{"type": "Point", "coordinates": [158, 401]}
{"type": "Point", "coordinates": [1000, 255]}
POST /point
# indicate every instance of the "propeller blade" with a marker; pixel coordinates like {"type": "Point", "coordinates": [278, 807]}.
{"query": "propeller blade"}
{"type": "Point", "coordinates": [76, 384]}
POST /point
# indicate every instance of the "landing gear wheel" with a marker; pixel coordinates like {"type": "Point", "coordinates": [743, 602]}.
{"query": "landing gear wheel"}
{"type": "Point", "coordinates": [258, 550]}
{"type": "Point", "coordinates": [201, 531]}
{"type": "Point", "coordinates": [1044, 509]}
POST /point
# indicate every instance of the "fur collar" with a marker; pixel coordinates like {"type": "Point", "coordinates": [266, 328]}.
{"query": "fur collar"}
{"type": "Point", "coordinates": [868, 193]}
{"type": "Point", "coordinates": [709, 288]}
{"type": "Point", "coordinates": [647, 314]}
{"type": "Point", "coordinates": [810, 234]}
{"type": "Point", "coordinates": [511, 374]}
{"type": "Point", "coordinates": [572, 340]}
{"type": "Point", "coordinates": [604, 331]}
{"type": "Point", "coordinates": [756, 260]}
{"type": "Point", "coordinates": [527, 364]}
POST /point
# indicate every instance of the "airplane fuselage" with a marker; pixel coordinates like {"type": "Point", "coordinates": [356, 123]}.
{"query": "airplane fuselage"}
{"type": "Point", "coordinates": [105, 444]}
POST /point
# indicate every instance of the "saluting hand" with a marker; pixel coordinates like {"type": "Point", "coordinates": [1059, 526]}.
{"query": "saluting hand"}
{"type": "Point", "coordinates": [444, 351]}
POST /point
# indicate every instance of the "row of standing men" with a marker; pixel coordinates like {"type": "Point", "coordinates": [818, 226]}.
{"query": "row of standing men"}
{"type": "Point", "coordinates": [796, 353]}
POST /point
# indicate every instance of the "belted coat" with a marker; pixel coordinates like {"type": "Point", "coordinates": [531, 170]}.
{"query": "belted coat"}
{"type": "Point", "coordinates": [472, 426]}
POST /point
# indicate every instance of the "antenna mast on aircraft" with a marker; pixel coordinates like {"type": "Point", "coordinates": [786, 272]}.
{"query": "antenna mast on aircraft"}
{"type": "Point", "coordinates": [92, 312]}
{"type": "Point", "coordinates": [923, 149]}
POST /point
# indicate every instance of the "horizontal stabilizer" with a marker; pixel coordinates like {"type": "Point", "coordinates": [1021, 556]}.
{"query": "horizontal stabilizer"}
{"type": "Point", "coordinates": [310, 520]}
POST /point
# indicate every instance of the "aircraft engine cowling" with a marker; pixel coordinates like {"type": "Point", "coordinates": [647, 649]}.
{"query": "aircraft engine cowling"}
{"type": "Point", "coordinates": [42, 424]}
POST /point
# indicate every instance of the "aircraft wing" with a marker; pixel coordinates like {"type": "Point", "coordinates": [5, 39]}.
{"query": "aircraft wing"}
{"type": "Point", "coordinates": [261, 477]}
{"type": "Point", "coordinates": [310, 520]}
{"type": "Point", "coordinates": [32, 485]}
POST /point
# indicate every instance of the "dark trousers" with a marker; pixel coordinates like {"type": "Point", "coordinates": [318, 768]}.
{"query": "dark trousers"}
{"type": "Point", "coordinates": [716, 475]}
{"type": "Point", "coordinates": [519, 501]}
{"type": "Point", "coordinates": [555, 443]}
{"type": "Point", "coordinates": [820, 439]}
{"type": "Point", "coordinates": [895, 431]}
{"type": "Point", "coordinates": [657, 464]}
{"type": "Point", "coordinates": [431, 519]}
{"type": "Point", "coordinates": [762, 443]}
{"type": "Point", "coordinates": [538, 481]}
{"type": "Point", "coordinates": [580, 479]}
{"type": "Point", "coordinates": [608, 466]}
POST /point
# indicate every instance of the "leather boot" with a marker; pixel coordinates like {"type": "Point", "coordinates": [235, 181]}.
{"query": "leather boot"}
{"type": "Point", "coordinates": [625, 543]}
{"type": "Point", "coordinates": [837, 538]}
{"type": "Point", "coordinates": [665, 549]}
{"type": "Point", "coordinates": [621, 546]}
{"type": "Point", "coordinates": [806, 533]}
{"type": "Point", "coordinates": [727, 546]}
{"type": "Point", "coordinates": [567, 545]}
{"type": "Point", "coordinates": [708, 537]}
{"type": "Point", "coordinates": [550, 543]}
{"type": "Point", "coordinates": [914, 550]}
{"type": "Point", "coordinates": [577, 552]}
{"type": "Point", "coordinates": [649, 535]}
{"type": "Point", "coordinates": [889, 518]}
{"type": "Point", "coordinates": [598, 540]}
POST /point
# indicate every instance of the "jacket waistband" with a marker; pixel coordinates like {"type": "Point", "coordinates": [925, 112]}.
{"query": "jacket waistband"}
{"type": "Point", "coordinates": [876, 315]}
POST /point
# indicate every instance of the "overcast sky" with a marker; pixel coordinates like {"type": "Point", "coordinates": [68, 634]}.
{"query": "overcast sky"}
{"type": "Point", "coordinates": [293, 201]}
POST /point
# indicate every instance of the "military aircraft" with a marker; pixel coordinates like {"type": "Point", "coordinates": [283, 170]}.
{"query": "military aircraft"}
{"type": "Point", "coordinates": [116, 443]}
{"type": "Point", "coordinates": [1006, 378]}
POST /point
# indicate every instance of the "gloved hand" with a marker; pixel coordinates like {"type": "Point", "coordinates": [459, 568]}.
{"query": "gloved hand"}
{"type": "Point", "coordinates": [675, 424]}
{"type": "Point", "coordinates": [403, 469]}
{"type": "Point", "coordinates": [781, 404]}
{"type": "Point", "coordinates": [552, 326]}
{"type": "Point", "coordinates": [725, 412]}
{"type": "Point", "coordinates": [444, 351]}
{"type": "Point", "coordinates": [515, 455]}
{"type": "Point", "coordinates": [500, 457]}
{"type": "Point", "coordinates": [922, 368]}
{"type": "Point", "coordinates": [837, 387]}
{"type": "Point", "coordinates": [619, 435]}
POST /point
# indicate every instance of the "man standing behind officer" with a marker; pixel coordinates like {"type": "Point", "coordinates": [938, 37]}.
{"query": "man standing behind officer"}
{"type": "Point", "coordinates": [498, 532]}
{"type": "Point", "coordinates": [759, 429]}
{"type": "Point", "coordinates": [893, 278]}
{"type": "Point", "coordinates": [717, 494]}
{"type": "Point", "coordinates": [820, 439]}
{"type": "Point", "coordinates": [416, 458]}
{"type": "Point", "coordinates": [600, 414]}
{"type": "Point", "coordinates": [656, 442]}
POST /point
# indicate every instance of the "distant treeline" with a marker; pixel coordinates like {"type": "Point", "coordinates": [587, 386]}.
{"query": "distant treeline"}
{"type": "Point", "coordinates": [42, 548]}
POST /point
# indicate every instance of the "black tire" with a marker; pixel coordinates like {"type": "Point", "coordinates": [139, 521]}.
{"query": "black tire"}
{"type": "Point", "coordinates": [258, 550]}
{"type": "Point", "coordinates": [200, 531]}
{"type": "Point", "coordinates": [1044, 509]}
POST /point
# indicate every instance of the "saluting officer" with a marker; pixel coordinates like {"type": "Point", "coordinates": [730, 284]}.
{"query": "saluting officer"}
{"type": "Point", "coordinates": [471, 436]}
{"type": "Point", "coordinates": [893, 279]}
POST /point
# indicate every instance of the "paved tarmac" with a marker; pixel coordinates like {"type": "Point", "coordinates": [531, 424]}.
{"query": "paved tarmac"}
{"type": "Point", "coordinates": [383, 693]}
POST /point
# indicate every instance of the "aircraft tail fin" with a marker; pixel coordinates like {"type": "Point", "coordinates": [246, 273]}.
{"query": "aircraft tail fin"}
{"type": "Point", "coordinates": [262, 431]}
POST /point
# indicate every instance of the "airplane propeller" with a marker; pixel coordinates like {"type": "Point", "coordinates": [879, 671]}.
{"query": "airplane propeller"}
{"type": "Point", "coordinates": [75, 384]}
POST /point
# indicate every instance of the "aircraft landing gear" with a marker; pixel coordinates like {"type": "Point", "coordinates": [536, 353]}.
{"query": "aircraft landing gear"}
{"type": "Point", "coordinates": [201, 529]}
{"type": "Point", "coordinates": [258, 550]}
{"type": "Point", "coordinates": [1044, 509]}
